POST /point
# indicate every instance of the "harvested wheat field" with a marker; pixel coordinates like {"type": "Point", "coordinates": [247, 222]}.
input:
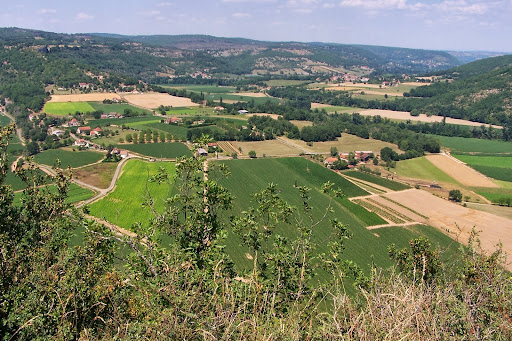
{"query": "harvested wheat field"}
{"type": "Point", "coordinates": [404, 115]}
{"type": "Point", "coordinates": [460, 172]}
{"type": "Point", "coordinates": [267, 147]}
{"type": "Point", "coordinates": [153, 100]}
{"type": "Point", "coordinates": [382, 93]}
{"type": "Point", "coordinates": [320, 105]}
{"type": "Point", "coordinates": [95, 97]}
{"type": "Point", "coordinates": [457, 220]}
{"type": "Point", "coordinates": [352, 85]}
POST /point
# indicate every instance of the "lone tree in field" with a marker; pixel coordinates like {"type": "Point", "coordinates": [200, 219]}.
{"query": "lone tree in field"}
{"type": "Point", "coordinates": [455, 195]}
{"type": "Point", "coordinates": [252, 154]}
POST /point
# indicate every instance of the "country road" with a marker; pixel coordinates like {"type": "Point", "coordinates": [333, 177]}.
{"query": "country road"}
{"type": "Point", "coordinates": [18, 131]}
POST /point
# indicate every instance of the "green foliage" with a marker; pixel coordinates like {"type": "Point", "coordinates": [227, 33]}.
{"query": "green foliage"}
{"type": "Point", "coordinates": [252, 154]}
{"type": "Point", "coordinates": [455, 195]}
{"type": "Point", "coordinates": [472, 145]}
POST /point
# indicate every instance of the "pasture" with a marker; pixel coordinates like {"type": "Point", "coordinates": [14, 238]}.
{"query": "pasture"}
{"type": "Point", "coordinates": [190, 111]}
{"type": "Point", "coordinates": [66, 108]}
{"type": "Point", "coordinates": [496, 167]}
{"type": "Point", "coordinates": [123, 207]}
{"type": "Point", "coordinates": [117, 108]}
{"type": "Point", "coordinates": [471, 145]}
{"type": "Point", "coordinates": [421, 168]}
{"type": "Point", "coordinates": [390, 184]}
{"type": "Point", "coordinates": [163, 150]}
{"type": "Point", "coordinates": [75, 194]}
{"type": "Point", "coordinates": [365, 246]}
{"type": "Point", "coordinates": [67, 158]}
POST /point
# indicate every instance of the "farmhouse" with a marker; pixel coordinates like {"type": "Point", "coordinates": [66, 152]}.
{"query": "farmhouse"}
{"type": "Point", "coordinates": [81, 143]}
{"type": "Point", "coordinates": [73, 123]}
{"type": "Point", "coordinates": [123, 154]}
{"type": "Point", "coordinates": [212, 145]}
{"type": "Point", "coordinates": [96, 131]}
{"type": "Point", "coordinates": [219, 108]}
{"type": "Point", "coordinates": [173, 120]}
{"type": "Point", "coordinates": [84, 130]}
{"type": "Point", "coordinates": [329, 161]}
{"type": "Point", "coordinates": [363, 155]}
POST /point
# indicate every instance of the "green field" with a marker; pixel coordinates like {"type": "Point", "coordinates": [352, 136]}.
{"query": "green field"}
{"type": "Point", "coordinates": [67, 108]}
{"type": "Point", "coordinates": [75, 194]}
{"type": "Point", "coordinates": [365, 247]}
{"type": "Point", "coordinates": [190, 111]}
{"type": "Point", "coordinates": [238, 98]}
{"type": "Point", "coordinates": [470, 145]}
{"type": "Point", "coordinates": [339, 109]}
{"type": "Point", "coordinates": [117, 108]}
{"type": "Point", "coordinates": [421, 168]}
{"type": "Point", "coordinates": [129, 121]}
{"type": "Point", "coordinates": [68, 158]}
{"type": "Point", "coordinates": [496, 167]}
{"type": "Point", "coordinates": [284, 82]}
{"type": "Point", "coordinates": [123, 206]}
{"type": "Point", "coordinates": [493, 194]}
{"type": "Point", "coordinates": [4, 120]}
{"type": "Point", "coordinates": [167, 150]}
{"type": "Point", "coordinates": [178, 132]}
{"type": "Point", "coordinates": [393, 185]}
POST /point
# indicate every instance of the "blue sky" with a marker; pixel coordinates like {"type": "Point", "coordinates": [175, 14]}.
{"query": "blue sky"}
{"type": "Point", "coordinates": [429, 24]}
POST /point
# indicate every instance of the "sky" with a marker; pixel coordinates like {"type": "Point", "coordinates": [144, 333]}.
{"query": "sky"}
{"type": "Point", "coordinates": [464, 25]}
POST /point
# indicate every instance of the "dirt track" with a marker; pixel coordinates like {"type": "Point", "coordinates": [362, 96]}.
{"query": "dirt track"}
{"type": "Point", "coordinates": [460, 172]}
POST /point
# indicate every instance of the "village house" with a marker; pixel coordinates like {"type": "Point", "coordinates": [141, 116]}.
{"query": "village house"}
{"type": "Point", "coordinates": [123, 154]}
{"type": "Point", "coordinates": [32, 117]}
{"type": "Point", "coordinates": [96, 131]}
{"type": "Point", "coordinates": [219, 108]}
{"type": "Point", "coordinates": [173, 120]}
{"type": "Point", "coordinates": [212, 145]}
{"type": "Point", "coordinates": [83, 130]}
{"type": "Point", "coordinates": [328, 162]}
{"type": "Point", "coordinates": [363, 155]}
{"type": "Point", "coordinates": [73, 123]}
{"type": "Point", "coordinates": [81, 143]}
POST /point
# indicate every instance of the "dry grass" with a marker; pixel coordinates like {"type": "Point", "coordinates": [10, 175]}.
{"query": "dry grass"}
{"type": "Point", "coordinates": [345, 144]}
{"type": "Point", "coordinates": [301, 124]}
{"type": "Point", "coordinates": [99, 175]}
{"type": "Point", "coordinates": [404, 115]}
{"type": "Point", "coordinates": [251, 94]}
{"type": "Point", "coordinates": [94, 97]}
{"type": "Point", "coordinates": [268, 147]}
{"type": "Point", "coordinates": [274, 116]}
{"type": "Point", "coordinates": [153, 100]}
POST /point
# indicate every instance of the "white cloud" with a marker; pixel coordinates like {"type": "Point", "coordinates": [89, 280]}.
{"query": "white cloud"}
{"type": "Point", "coordinates": [84, 16]}
{"type": "Point", "coordinates": [462, 6]}
{"type": "Point", "coordinates": [164, 4]}
{"type": "Point", "coordinates": [331, 5]}
{"type": "Point", "coordinates": [240, 15]}
{"type": "Point", "coordinates": [47, 11]}
{"type": "Point", "coordinates": [151, 13]}
{"type": "Point", "coordinates": [375, 4]}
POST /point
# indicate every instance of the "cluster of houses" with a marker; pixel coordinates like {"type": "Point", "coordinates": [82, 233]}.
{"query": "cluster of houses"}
{"type": "Point", "coordinates": [173, 120]}
{"type": "Point", "coordinates": [359, 155]}
{"type": "Point", "coordinates": [88, 131]}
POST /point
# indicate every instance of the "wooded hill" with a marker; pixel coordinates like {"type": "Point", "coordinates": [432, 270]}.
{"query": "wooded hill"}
{"type": "Point", "coordinates": [478, 91]}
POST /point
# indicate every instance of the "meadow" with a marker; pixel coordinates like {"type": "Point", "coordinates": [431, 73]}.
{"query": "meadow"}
{"type": "Point", "coordinates": [177, 132]}
{"type": "Point", "coordinates": [167, 150]}
{"type": "Point", "coordinates": [190, 111]}
{"type": "Point", "coordinates": [129, 121]}
{"type": "Point", "coordinates": [496, 167]}
{"type": "Point", "coordinates": [67, 108]}
{"type": "Point", "coordinates": [241, 98]}
{"type": "Point", "coordinates": [201, 88]}
{"type": "Point", "coordinates": [75, 194]}
{"type": "Point", "coordinates": [471, 145]}
{"type": "Point", "coordinates": [123, 207]}
{"type": "Point", "coordinates": [67, 158]}
{"type": "Point", "coordinates": [390, 184]}
{"type": "Point", "coordinates": [117, 108]}
{"type": "Point", "coordinates": [345, 144]}
{"type": "Point", "coordinates": [98, 175]}
{"type": "Point", "coordinates": [421, 168]}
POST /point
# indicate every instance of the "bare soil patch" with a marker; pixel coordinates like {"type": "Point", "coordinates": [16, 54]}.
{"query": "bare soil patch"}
{"type": "Point", "coordinates": [95, 97]}
{"type": "Point", "coordinates": [251, 94]}
{"type": "Point", "coordinates": [404, 115]}
{"type": "Point", "coordinates": [153, 100]}
{"type": "Point", "coordinates": [459, 221]}
{"type": "Point", "coordinates": [98, 175]}
{"type": "Point", "coordinates": [390, 93]}
{"type": "Point", "coordinates": [319, 105]}
{"type": "Point", "coordinates": [460, 172]}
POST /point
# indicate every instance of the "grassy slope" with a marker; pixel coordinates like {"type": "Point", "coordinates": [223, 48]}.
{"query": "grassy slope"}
{"type": "Point", "coordinates": [68, 158]}
{"type": "Point", "coordinates": [396, 186]}
{"type": "Point", "coordinates": [65, 108]}
{"type": "Point", "coordinates": [123, 206]}
{"type": "Point", "coordinates": [116, 107]}
{"type": "Point", "coordinates": [75, 194]}
{"type": "Point", "coordinates": [421, 168]}
{"type": "Point", "coordinates": [168, 150]}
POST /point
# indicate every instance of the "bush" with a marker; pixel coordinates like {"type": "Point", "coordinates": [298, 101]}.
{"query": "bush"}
{"type": "Point", "coordinates": [455, 195]}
